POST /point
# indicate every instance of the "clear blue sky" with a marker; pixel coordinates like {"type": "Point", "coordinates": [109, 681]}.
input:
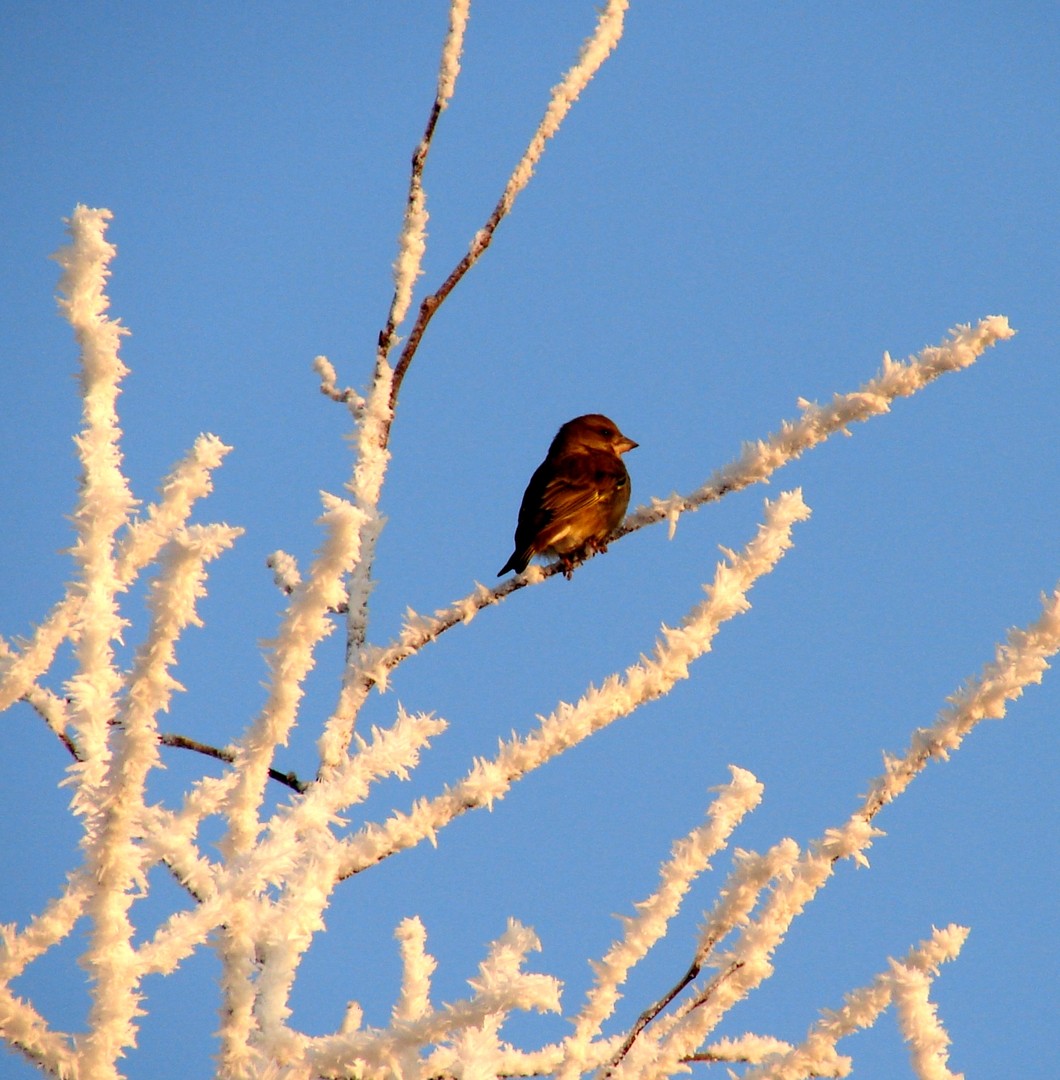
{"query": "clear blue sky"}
{"type": "Point", "coordinates": [750, 204]}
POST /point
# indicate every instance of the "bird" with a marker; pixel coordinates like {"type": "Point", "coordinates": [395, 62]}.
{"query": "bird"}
{"type": "Point", "coordinates": [576, 497]}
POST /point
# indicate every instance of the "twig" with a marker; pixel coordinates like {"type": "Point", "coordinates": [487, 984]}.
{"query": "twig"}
{"type": "Point", "coordinates": [430, 304]}
{"type": "Point", "coordinates": [42, 701]}
{"type": "Point", "coordinates": [595, 50]}
{"type": "Point", "coordinates": [182, 742]}
{"type": "Point", "coordinates": [387, 339]}
{"type": "Point", "coordinates": [449, 66]}
{"type": "Point", "coordinates": [652, 1011]}
{"type": "Point", "coordinates": [289, 779]}
{"type": "Point", "coordinates": [374, 416]}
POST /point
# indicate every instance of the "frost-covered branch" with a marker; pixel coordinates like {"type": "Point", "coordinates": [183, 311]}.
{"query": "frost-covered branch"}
{"type": "Point", "coordinates": [618, 696]}
{"type": "Point", "coordinates": [305, 624]}
{"type": "Point", "coordinates": [756, 464]}
{"type": "Point", "coordinates": [375, 416]}
{"type": "Point", "coordinates": [104, 506]}
{"type": "Point", "coordinates": [107, 718]}
{"type": "Point", "coordinates": [20, 668]}
{"type": "Point", "coordinates": [465, 1033]}
{"type": "Point", "coordinates": [27, 1032]}
{"type": "Point", "coordinates": [138, 547]}
{"type": "Point", "coordinates": [736, 899]}
{"type": "Point", "coordinates": [300, 838]}
{"type": "Point", "coordinates": [1020, 662]}
{"type": "Point", "coordinates": [690, 858]}
{"type": "Point", "coordinates": [104, 503]}
{"type": "Point", "coordinates": [52, 925]}
{"type": "Point", "coordinates": [751, 1049]}
{"type": "Point", "coordinates": [114, 859]}
{"type": "Point", "coordinates": [917, 1016]}
{"type": "Point", "coordinates": [111, 716]}
{"type": "Point", "coordinates": [905, 984]}
{"type": "Point", "coordinates": [761, 459]}
{"type": "Point", "coordinates": [190, 481]}
{"type": "Point", "coordinates": [297, 851]}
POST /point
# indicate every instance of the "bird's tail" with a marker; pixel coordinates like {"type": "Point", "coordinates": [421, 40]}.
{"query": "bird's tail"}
{"type": "Point", "coordinates": [517, 561]}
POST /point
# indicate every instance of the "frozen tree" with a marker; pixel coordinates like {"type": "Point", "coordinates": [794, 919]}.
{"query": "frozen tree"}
{"type": "Point", "coordinates": [258, 899]}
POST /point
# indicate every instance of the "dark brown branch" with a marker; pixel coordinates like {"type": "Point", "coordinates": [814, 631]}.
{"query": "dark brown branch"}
{"type": "Point", "coordinates": [431, 303]}
{"type": "Point", "coordinates": [289, 779]}
{"type": "Point", "coordinates": [59, 733]}
{"type": "Point", "coordinates": [652, 1011]}
{"type": "Point", "coordinates": [69, 743]}
{"type": "Point", "coordinates": [419, 163]}
{"type": "Point", "coordinates": [171, 740]}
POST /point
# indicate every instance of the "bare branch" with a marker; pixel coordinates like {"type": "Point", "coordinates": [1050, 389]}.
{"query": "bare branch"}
{"type": "Point", "coordinates": [223, 753]}
{"type": "Point", "coordinates": [650, 1013]}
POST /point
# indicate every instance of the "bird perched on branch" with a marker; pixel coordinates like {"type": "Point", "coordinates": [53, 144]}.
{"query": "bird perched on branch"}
{"type": "Point", "coordinates": [576, 497]}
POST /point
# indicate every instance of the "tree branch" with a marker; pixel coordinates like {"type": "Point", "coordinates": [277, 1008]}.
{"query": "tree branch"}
{"type": "Point", "coordinates": [595, 50]}
{"type": "Point", "coordinates": [756, 464]}
{"type": "Point", "coordinates": [222, 753]}
{"type": "Point", "coordinates": [652, 1011]}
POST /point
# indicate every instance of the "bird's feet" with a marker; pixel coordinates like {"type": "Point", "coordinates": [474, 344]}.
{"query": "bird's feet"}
{"type": "Point", "coordinates": [572, 560]}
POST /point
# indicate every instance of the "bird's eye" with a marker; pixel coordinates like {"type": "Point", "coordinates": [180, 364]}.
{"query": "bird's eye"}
{"type": "Point", "coordinates": [607, 433]}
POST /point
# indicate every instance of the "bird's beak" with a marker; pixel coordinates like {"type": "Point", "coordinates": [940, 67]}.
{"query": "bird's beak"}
{"type": "Point", "coordinates": [623, 444]}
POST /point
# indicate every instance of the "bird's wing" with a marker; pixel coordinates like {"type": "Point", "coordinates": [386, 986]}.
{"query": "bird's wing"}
{"type": "Point", "coordinates": [579, 481]}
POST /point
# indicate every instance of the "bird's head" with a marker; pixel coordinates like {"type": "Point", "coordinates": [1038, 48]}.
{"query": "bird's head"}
{"type": "Point", "coordinates": [590, 432]}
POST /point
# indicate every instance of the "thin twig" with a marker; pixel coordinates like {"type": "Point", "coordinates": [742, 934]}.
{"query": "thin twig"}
{"type": "Point", "coordinates": [431, 303]}
{"type": "Point", "coordinates": [652, 1011]}
{"type": "Point", "coordinates": [69, 744]}
{"type": "Point", "coordinates": [182, 742]}
{"type": "Point", "coordinates": [419, 162]}
{"type": "Point", "coordinates": [607, 33]}
{"type": "Point", "coordinates": [374, 436]}
{"type": "Point", "coordinates": [222, 753]}
{"type": "Point", "coordinates": [62, 736]}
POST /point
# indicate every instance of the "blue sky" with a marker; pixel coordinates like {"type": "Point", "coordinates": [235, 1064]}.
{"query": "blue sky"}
{"type": "Point", "coordinates": [749, 204]}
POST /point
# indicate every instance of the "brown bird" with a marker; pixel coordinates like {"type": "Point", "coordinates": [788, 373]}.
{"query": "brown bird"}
{"type": "Point", "coordinates": [576, 497]}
